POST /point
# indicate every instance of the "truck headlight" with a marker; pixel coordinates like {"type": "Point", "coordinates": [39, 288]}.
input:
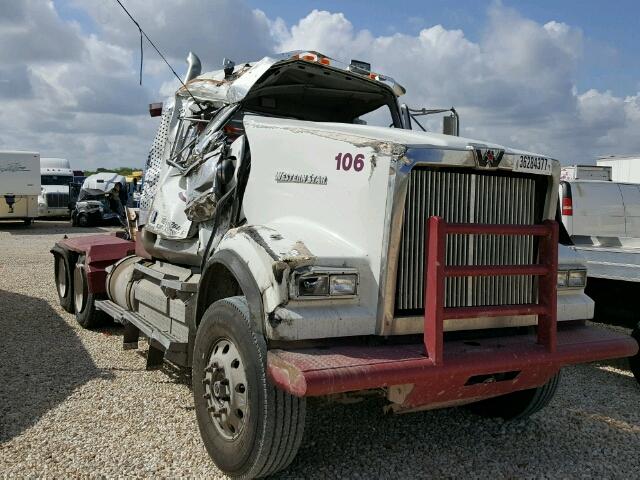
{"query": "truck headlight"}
{"type": "Point", "coordinates": [562, 278]}
{"type": "Point", "coordinates": [343, 284]}
{"type": "Point", "coordinates": [577, 278]}
{"type": "Point", "coordinates": [318, 282]}
{"type": "Point", "coordinates": [572, 278]}
{"type": "Point", "coordinates": [313, 285]}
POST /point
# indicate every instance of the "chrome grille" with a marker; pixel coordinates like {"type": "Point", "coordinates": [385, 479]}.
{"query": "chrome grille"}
{"type": "Point", "coordinates": [57, 200]}
{"type": "Point", "coordinates": [462, 197]}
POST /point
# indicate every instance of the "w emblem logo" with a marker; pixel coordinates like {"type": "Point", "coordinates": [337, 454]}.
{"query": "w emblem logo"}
{"type": "Point", "coordinates": [488, 157]}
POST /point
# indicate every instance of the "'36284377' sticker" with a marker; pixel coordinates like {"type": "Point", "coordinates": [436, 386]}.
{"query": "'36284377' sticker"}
{"type": "Point", "coordinates": [534, 164]}
{"type": "Point", "coordinates": [346, 161]}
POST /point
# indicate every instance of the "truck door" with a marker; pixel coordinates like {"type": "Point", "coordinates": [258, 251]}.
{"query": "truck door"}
{"type": "Point", "coordinates": [631, 201]}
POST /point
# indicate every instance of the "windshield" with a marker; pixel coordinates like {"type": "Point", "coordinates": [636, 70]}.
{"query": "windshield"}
{"type": "Point", "coordinates": [55, 179]}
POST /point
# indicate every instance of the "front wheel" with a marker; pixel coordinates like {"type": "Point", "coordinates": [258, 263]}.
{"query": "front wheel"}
{"type": "Point", "coordinates": [83, 220]}
{"type": "Point", "coordinates": [634, 362]}
{"type": "Point", "coordinates": [517, 405]}
{"type": "Point", "coordinates": [250, 428]}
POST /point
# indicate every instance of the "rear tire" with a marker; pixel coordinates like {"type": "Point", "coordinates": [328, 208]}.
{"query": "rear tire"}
{"type": "Point", "coordinates": [517, 405]}
{"type": "Point", "coordinates": [83, 300]}
{"type": "Point", "coordinates": [64, 282]}
{"type": "Point", "coordinates": [263, 430]}
{"type": "Point", "coordinates": [634, 362]}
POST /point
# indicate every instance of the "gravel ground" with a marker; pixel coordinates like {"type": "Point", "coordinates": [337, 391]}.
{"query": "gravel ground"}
{"type": "Point", "coordinates": [74, 404]}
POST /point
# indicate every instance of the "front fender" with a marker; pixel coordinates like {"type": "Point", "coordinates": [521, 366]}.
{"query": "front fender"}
{"type": "Point", "coordinates": [260, 259]}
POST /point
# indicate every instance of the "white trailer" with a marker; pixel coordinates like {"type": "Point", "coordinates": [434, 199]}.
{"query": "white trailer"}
{"type": "Point", "coordinates": [624, 168]}
{"type": "Point", "coordinates": [19, 185]}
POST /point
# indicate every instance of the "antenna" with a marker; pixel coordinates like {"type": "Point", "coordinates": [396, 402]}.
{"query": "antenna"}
{"type": "Point", "coordinates": [142, 32]}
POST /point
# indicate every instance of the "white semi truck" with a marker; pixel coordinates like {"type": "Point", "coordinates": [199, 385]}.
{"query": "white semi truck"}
{"type": "Point", "coordinates": [56, 175]}
{"type": "Point", "coordinates": [600, 209]}
{"type": "Point", "coordinates": [287, 250]}
{"type": "Point", "coordinates": [19, 185]}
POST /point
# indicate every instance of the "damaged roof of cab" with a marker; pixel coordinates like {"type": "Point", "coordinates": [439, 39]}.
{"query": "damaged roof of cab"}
{"type": "Point", "coordinates": [215, 86]}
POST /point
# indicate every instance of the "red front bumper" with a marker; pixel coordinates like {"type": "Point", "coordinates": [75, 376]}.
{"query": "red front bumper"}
{"type": "Point", "coordinates": [470, 369]}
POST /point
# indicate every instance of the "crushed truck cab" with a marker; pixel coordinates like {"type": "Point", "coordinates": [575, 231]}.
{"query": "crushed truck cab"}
{"type": "Point", "coordinates": [288, 247]}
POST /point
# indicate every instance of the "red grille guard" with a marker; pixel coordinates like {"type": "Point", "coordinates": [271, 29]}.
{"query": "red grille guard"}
{"type": "Point", "coordinates": [464, 370]}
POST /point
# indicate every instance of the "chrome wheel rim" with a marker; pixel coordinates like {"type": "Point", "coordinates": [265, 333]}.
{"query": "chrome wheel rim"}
{"type": "Point", "coordinates": [61, 277]}
{"type": "Point", "coordinates": [80, 289]}
{"type": "Point", "coordinates": [226, 389]}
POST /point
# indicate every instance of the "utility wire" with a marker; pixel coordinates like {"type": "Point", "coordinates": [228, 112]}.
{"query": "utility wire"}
{"type": "Point", "coordinates": [142, 32]}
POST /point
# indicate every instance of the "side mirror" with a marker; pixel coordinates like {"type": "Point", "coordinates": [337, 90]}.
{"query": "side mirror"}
{"type": "Point", "coordinates": [450, 125]}
{"type": "Point", "coordinates": [155, 109]}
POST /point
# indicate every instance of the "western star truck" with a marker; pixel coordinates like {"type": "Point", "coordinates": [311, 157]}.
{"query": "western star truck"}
{"type": "Point", "coordinates": [19, 185]}
{"type": "Point", "coordinates": [285, 249]}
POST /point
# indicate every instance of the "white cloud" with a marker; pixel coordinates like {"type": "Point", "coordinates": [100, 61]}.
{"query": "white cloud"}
{"type": "Point", "coordinates": [73, 93]}
{"type": "Point", "coordinates": [515, 86]}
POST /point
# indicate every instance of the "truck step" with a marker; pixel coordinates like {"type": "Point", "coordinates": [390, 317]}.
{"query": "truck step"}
{"type": "Point", "coordinates": [174, 348]}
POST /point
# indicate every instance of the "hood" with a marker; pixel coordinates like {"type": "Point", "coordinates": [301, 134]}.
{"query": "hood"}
{"type": "Point", "coordinates": [248, 77]}
{"type": "Point", "coordinates": [102, 182]}
{"type": "Point", "coordinates": [400, 141]}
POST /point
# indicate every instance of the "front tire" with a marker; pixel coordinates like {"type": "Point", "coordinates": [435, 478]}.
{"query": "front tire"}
{"type": "Point", "coordinates": [83, 220]}
{"type": "Point", "coordinates": [517, 405]}
{"type": "Point", "coordinates": [250, 428]}
{"type": "Point", "coordinates": [634, 362]}
{"type": "Point", "coordinates": [83, 300]}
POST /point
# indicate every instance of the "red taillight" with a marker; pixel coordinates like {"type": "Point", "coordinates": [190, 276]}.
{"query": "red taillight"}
{"type": "Point", "coordinates": [567, 206]}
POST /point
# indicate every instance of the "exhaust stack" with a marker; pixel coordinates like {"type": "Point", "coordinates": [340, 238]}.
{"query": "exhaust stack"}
{"type": "Point", "coordinates": [194, 67]}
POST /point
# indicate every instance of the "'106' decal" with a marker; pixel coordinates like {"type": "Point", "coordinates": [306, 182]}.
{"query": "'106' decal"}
{"type": "Point", "coordinates": [345, 161]}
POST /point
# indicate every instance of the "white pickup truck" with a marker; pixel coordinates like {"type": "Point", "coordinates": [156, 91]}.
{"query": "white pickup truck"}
{"type": "Point", "coordinates": [287, 250]}
{"type": "Point", "coordinates": [602, 219]}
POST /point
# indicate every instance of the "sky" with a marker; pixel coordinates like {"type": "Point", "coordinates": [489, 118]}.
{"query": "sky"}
{"type": "Point", "coordinates": [556, 78]}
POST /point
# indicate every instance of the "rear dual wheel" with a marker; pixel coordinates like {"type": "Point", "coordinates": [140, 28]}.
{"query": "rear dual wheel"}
{"type": "Point", "coordinates": [250, 428]}
{"type": "Point", "coordinates": [83, 299]}
{"type": "Point", "coordinates": [634, 362]}
{"type": "Point", "coordinates": [62, 272]}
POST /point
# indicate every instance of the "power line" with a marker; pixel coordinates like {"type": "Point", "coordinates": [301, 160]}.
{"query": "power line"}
{"type": "Point", "coordinates": [142, 32]}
